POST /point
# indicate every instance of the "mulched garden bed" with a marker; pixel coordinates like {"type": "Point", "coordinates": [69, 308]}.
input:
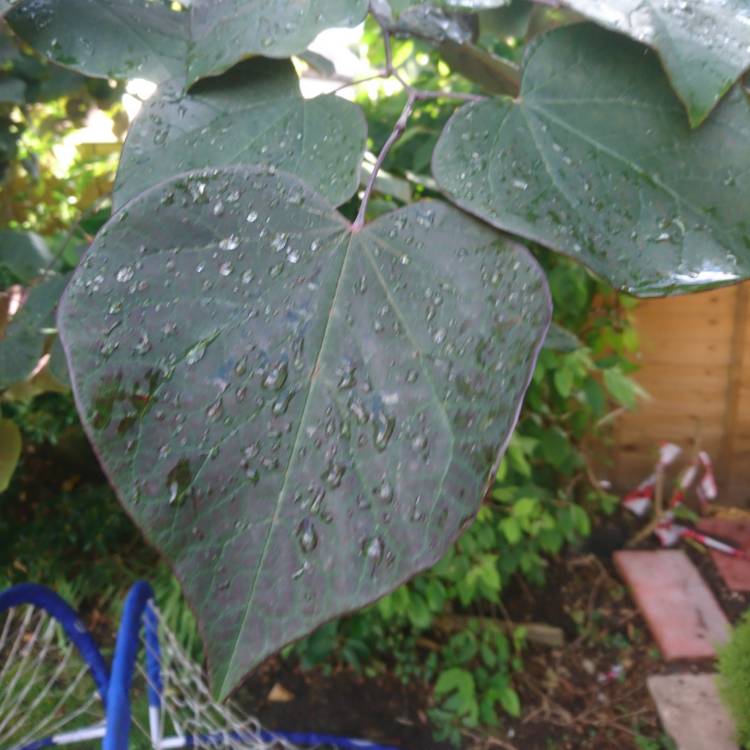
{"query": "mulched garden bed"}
{"type": "Point", "coordinates": [589, 695]}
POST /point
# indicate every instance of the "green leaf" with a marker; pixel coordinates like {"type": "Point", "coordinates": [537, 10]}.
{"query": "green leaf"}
{"type": "Point", "coordinates": [596, 119]}
{"type": "Point", "coordinates": [510, 701]}
{"type": "Point", "coordinates": [581, 519]}
{"type": "Point", "coordinates": [556, 449]}
{"type": "Point", "coordinates": [252, 114]}
{"type": "Point", "coordinates": [419, 613]}
{"type": "Point", "coordinates": [23, 344]}
{"type": "Point", "coordinates": [455, 680]}
{"type": "Point", "coordinates": [525, 507]}
{"type": "Point", "coordinates": [563, 379]}
{"type": "Point", "coordinates": [10, 451]}
{"type": "Point", "coordinates": [225, 31]}
{"type": "Point", "coordinates": [24, 254]}
{"type": "Point", "coordinates": [145, 39]}
{"type": "Point", "coordinates": [511, 529]}
{"type": "Point", "coordinates": [107, 38]}
{"type": "Point", "coordinates": [704, 45]}
{"type": "Point", "coordinates": [278, 404]}
{"type": "Point", "coordinates": [622, 388]}
{"type": "Point", "coordinates": [560, 339]}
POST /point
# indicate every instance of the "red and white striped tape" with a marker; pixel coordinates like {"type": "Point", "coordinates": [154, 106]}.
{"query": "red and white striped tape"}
{"type": "Point", "coordinates": [668, 532]}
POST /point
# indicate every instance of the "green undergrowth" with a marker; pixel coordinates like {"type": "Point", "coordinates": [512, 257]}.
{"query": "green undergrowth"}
{"type": "Point", "coordinates": [734, 678]}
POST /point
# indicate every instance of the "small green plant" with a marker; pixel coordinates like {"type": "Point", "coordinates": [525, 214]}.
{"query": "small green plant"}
{"type": "Point", "coordinates": [734, 678]}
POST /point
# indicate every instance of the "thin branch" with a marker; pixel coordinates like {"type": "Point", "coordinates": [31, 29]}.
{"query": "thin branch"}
{"type": "Point", "coordinates": [396, 133]}
{"type": "Point", "coordinates": [455, 95]}
{"type": "Point", "coordinates": [413, 95]}
{"type": "Point", "coordinates": [358, 81]}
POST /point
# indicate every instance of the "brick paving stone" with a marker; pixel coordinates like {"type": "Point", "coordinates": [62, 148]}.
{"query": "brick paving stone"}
{"type": "Point", "coordinates": [680, 610]}
{"type": "Point", "coordinates": [736, 573]}
{"type": "Point", "coordinates": [691, 711]}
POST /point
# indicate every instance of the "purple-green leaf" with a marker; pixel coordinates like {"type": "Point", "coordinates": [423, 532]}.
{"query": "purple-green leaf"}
{"type": "Point", "coordinates": [300, 416]}
{"type": "Point", "coordinates": [252, 114]}
{"type": "Point", "coordinates": [704, 45]}
{"type": "Point", "coordinates": [596, 159]}
{"type": "Point", "coordinates": [146, 39]}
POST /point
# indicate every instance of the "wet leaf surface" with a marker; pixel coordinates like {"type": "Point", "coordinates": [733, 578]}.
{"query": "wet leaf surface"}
{"type": "Point", "coordinates": [224, 31]}
{"type": "Point", "coordinates": [253, 114]}
{"type": "Point", "coordinates": [145, 39]}
{"type": "Point", "coordinates": [107, 38]}
{"type": "Point", "coordinates": [595, 159]}
{"type": "Point", "coordinates": [299, 416]}
{"type": "Point", "coordinates": [703, 44]}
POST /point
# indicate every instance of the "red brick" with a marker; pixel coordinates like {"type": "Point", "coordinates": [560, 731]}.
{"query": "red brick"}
{"type": "Point", "coordinates": [680, 610]}
{"type": "Point", "coordinates": [735, 572]}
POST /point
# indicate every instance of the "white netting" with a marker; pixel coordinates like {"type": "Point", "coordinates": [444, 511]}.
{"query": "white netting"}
{"type": "Point", "coordinates": [46, 689]}
{"type": "Point", "coordinates": [188, 711]}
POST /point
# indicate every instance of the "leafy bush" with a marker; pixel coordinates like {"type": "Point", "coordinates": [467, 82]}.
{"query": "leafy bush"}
{"type": "Point", "coordinates": [734, 678]}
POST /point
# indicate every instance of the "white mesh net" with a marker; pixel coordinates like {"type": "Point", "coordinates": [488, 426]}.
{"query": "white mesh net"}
{"type": "Point", "coordinates": [46, 690]}
{"type": "Point", "coordinates": [48, 696]}
{"type": "Point", "coordinates": [189, 716]}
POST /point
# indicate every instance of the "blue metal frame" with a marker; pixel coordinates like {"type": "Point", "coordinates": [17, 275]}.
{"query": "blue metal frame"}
{"type": "Point", "coordinates": [57, 607]}
{"type": "Point", "coordinates": [114, 688]}
{"type": "Point", "coordinates": [135, 614]}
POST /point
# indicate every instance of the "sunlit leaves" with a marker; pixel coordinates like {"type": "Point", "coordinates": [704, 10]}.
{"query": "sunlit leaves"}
{"type": "Point", "coordinates": [107, 38]}
{"type": "Point", "coordinates": [225, 31]}
{"type": "Point", "coordinates": [596, 159]}
{"type": "Point", "coordinates": [253, 114]}
{"type": "Point", "coordinates": [145, 39]}
{"type": "Point", "coordinates": [703, 44]}
{"type": "Point", "coordinates": [300, 416]}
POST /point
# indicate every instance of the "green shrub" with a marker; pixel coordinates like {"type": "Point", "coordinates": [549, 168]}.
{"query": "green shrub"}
{"type": "Point", "coordinates": [734, 678]}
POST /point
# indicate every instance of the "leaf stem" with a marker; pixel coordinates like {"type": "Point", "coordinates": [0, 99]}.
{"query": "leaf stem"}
{"type": "Point", "coordinates": [413, 95]}
{"type": "Point", "coordinates": [396, 133]}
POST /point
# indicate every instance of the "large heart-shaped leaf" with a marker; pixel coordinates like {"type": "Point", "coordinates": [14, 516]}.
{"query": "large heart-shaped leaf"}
{"type": "Point", "coordinates": [595, 159]}
{"type": "Point", "coordinates": [300, 416]}
{"type": "Point", "coordinates": [252, 114]}
{"type": "Point", "coordinates": [107, 38]}
{"type": "Point", "coordinates": [23, 344]}
{"type": "Point", "coordinates": [145, 39]}
{"type": "Point", "coordinates": [225, 31]}
{"type": "Point", "coordinates": [704, 44]}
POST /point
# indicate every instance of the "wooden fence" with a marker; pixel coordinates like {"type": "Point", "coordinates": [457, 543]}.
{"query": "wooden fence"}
{"type": "Point", "coordinates": [696, 367]}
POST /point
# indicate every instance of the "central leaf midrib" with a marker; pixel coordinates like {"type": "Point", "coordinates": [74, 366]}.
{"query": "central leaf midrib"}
{"type": "Point", "coordinates": [282, 491]}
